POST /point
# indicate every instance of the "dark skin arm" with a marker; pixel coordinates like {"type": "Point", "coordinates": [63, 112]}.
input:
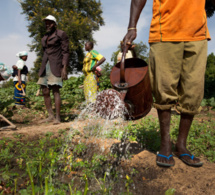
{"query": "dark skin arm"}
{"type": "Point", "coordinates": [98, 63]}
{"type": "Point", "coordinates": [135, 11]}
{"type": "Point", "coordinates": [19, 77]}
{"type": "Point", "coordinates": [65, 53]}
{"type": "Point", "coordinates": [64, 73]}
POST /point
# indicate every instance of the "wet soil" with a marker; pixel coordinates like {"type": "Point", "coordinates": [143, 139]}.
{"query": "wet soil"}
{"type": "Point", "coordinates": [148, 178]}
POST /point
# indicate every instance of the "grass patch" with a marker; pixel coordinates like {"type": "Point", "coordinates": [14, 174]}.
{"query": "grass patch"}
{"type": "Point", "coordinates": [201, 138]}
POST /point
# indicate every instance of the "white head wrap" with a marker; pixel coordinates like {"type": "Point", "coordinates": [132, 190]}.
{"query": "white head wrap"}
{"type": "Point", "coordinates": [22, 53]}
{"type": "Point", "coordinates": [4, 71]}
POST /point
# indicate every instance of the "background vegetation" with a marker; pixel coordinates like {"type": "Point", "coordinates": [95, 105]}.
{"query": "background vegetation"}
{"type": "Point", "coordinates": [210, 7]}
{"type": "Point", "coordinates": [58, 164]}
{"type": "Point", "coordinates": [48, 164]}
{"type": "Point", "coordinates": [210, 77]}
{"type": "Point", "coordinates": [78, 18]}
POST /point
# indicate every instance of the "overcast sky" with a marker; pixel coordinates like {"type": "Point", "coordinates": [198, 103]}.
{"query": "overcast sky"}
{"type": "Point", "coordinates": [14, 35]}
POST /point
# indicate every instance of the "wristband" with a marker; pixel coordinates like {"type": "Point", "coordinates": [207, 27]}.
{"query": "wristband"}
{"type": "Point", "coordinates": [133, 28]}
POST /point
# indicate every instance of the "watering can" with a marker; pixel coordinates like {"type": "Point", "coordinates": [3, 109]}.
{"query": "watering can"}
{"type": "Point", "coordinates": [131, 93]}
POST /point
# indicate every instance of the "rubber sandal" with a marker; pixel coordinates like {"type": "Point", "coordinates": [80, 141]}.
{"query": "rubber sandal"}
{"type": "Point", "coordinates": [199, 164]}
{"type": "Point", "coordinates": [164, 164]}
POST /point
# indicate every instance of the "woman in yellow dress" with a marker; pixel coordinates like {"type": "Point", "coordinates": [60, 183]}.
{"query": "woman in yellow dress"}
{"type": "Point", "coordinates": [92, 60]}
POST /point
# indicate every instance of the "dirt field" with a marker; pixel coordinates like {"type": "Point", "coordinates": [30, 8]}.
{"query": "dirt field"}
{"type": "Point", "coordinates": [150, 178]}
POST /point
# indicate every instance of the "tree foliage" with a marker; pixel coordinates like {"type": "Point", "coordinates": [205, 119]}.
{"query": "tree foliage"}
{"type": "Point", "coordinates": [78, 18]}
{"type": "Point", "coordinates": [210, 76]}
{"type": "Point", "coordinates": [141, 51]}
{"type": "Point", "coordinates": [210, 8]}
{"type": "Point", "coordinates": [105, 78]}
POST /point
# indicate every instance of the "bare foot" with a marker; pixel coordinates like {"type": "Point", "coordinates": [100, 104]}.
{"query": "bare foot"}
{"type": "Point", "coordinates": [49, 119]}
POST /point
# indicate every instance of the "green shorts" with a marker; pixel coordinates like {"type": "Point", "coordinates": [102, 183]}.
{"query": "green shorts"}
{"type": "Point", "coordinates": [177, 71]}
{"type": "Point", "coordinates": [49, 78]}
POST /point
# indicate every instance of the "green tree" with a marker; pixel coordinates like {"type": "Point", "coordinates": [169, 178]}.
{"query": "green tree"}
{"type": "Point", "coordinates": [210, 8]}
{"type": "Point", "coordinates": [141, 51]}
{"type": "Point", "coordinates": [105, 78]}
{"type": "Point", "coordinates": [78, 18]}
{"type": "Point", "coordinates": [210, 68]}
{"type": "Point", "coordinates": [210, 76]}
{"type": "Point", "coordinates": [7, 83]}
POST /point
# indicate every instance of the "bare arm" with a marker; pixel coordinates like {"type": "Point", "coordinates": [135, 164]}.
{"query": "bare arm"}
{"type": "Point", "coordinates": [135, 11]}
{"type": "Point", "coordinates": [65, 54]}
{"type": "Point", "coordinates": [19, 77]}
{"type": "Point", "coordinates": [98, 63]}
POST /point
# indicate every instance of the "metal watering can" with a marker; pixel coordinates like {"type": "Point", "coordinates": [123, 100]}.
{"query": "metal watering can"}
{"type": "Point", "coordinates": [131, 94]}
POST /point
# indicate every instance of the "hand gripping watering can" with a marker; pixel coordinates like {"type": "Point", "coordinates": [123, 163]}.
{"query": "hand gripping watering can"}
{"type": "Point", "coordinates": [131, 91]}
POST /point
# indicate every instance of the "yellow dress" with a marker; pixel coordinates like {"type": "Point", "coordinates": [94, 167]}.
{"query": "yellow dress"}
{"type": "Point", "coordinates": [90, 83]}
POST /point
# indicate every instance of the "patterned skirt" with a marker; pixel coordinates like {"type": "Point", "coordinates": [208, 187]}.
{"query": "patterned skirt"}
{"type": "Point", "coordinates": [90, 88]}
{"type": "Point", "coordinates": [18, 94]}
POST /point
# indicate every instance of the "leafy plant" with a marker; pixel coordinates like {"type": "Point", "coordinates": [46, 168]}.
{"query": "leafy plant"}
{"type": "Point", "coordinates": [209, 102]}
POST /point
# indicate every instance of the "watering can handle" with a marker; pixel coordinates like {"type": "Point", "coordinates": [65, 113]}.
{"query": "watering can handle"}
{"type": "Point", "coordinates": [122, 65]}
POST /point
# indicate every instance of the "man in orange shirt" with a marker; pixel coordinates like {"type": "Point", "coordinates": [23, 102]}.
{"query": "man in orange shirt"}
{"type": "Point", "coordinates": [177, 61]}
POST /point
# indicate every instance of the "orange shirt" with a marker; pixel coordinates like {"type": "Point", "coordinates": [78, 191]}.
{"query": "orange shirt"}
{"type": "Point", "coordinates": [178, 20]}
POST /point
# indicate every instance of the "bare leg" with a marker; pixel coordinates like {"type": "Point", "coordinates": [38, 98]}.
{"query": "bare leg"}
{"type": "Point", "coordinates": [48, 104]}
{"type": "Point", "coordinates": [166, 147]}
{"type": "Point", "coordinates": [56, 93]}
{"type": "Point", "coordinates": [184, 127]}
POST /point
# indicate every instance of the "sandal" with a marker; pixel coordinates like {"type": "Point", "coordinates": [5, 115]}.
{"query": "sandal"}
{"type": "Point", "coordinates": [165, 164]}
{"type": "Point", "coordinates": [198, 164]}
